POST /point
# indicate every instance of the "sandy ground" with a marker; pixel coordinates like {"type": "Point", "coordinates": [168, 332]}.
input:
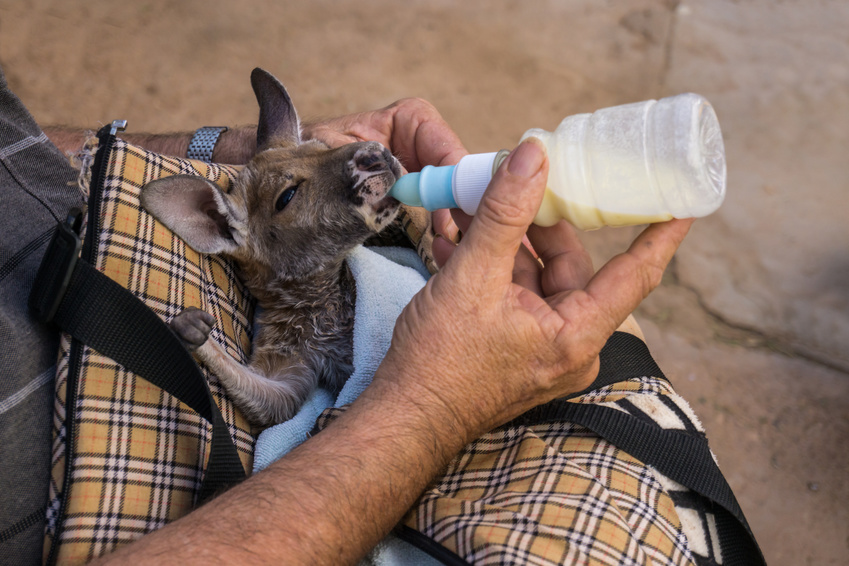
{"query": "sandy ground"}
{"type": "Point", "coordinates": [751, 323]}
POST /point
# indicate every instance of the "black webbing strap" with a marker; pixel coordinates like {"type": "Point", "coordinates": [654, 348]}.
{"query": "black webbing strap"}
{"type": "Point", "coordinates": [681, 456]}
{"type": "Point", "coordinates": [107, 317]}
{"type": "Point", "coordinates": [624, 356]}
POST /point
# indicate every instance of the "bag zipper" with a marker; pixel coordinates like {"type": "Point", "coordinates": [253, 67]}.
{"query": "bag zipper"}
{"type": "Point", "coordinates": [106, 140]}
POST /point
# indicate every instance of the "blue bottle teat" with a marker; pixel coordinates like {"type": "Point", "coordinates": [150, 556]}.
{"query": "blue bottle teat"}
{"type": "Point", "coordinates": [453, 186]}
{"type": "Point", "coordinates": [432, 188]}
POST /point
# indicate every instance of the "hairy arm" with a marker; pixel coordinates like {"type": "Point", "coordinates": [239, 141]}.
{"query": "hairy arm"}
{"type": "Point", "coordinates": [411, 127]}
{"type": "Point", "coordinates": [235, 146]}
{"type": "Point", "coordinates": [328, 502]}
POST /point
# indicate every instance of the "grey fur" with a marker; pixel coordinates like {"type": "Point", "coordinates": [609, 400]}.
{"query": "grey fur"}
{"type": "Point", "coordinates": [292, 260]}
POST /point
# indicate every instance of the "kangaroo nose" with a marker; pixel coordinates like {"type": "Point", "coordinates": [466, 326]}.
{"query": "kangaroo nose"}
{"type": "Point", "coordinates": [373, 158]}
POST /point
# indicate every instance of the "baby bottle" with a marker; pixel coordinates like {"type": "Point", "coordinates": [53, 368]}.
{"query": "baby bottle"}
{"type": "Point", "coordinates": [631, 164]}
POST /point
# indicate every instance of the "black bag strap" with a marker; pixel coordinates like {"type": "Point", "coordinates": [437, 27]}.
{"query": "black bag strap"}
{"type": "Point", "coordinates": [624, 356]}
{"type": "Point", "coordinates": [681, 456]}
{"type": "Point", "coordinates": [97, 311]}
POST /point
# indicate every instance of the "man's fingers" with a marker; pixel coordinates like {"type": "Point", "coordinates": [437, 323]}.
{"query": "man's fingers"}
{"type": "Point", "coordinates": [411, 128]}
{"type": "Point", "coordinates": [567, 263]}
{"type": "Point", "coordinates": [420, 136]}
{"type": "Point", "coordinates": [442, 249]}
{"type": "Point", "coordinates": [331, 133]}
{"type": "Point", "coordinates": [444, 225]}
{"type": "Point", "coordinates": [507, 208]}
{"type": "Point", "coordinates": [624, 281]}
{"type": "Point", "coordinates": [527, 270]}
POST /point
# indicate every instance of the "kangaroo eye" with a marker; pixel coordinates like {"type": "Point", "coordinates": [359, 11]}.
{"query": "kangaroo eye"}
{"type": "Point", "coordinates": [285, 197]}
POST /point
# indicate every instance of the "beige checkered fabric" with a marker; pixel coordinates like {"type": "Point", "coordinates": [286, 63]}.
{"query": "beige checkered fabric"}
{"type": "Point", "coordinates": [137, 455]}
{"type": "Point", "coordinates": [557, 494]}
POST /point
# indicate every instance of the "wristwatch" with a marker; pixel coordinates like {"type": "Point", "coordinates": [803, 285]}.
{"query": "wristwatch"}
{"type": "Point", "coordinates": [203, 142]}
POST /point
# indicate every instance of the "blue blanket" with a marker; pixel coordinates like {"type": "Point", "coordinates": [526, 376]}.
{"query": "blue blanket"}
{"type": "Point", "coordinates": [386, 278]}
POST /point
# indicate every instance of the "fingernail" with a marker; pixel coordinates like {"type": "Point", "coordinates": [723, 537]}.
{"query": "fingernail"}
{"type": "Point", "coordinates": [527, 159]}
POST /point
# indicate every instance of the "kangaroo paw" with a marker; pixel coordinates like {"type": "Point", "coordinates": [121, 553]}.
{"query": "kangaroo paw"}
{"type": "Point", "coordinates": [192, 326]}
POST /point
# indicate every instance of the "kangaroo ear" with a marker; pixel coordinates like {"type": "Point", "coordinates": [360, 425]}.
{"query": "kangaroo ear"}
{"type": "Point", "coordinates": [278, 121]}
{"type": "Point", "coordinates": [197, 210]}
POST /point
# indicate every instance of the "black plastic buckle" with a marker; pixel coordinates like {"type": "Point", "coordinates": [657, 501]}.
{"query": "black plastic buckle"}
{"type": "Point", "coordinates": [57, 265]}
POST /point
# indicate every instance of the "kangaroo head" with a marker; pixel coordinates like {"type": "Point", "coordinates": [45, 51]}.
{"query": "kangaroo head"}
{"type": "Point", "coordinates": [295, 209]}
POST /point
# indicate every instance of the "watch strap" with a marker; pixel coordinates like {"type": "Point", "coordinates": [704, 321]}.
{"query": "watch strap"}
{"type": "Point", "coordinates": [203, 142]}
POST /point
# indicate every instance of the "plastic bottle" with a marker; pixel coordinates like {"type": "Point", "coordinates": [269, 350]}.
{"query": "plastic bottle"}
{"type": "Point", "coordinates": [632, 164]}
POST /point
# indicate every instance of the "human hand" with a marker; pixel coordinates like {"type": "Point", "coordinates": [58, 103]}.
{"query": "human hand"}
{"type": "Point", "coordinates": [493, 334]}
{"type": "Point", "coordinates": [572, 269]}
{"type": "Point", "coordinates": [414, 132]}
{"type": "Point", "coordinates": [411, 128]}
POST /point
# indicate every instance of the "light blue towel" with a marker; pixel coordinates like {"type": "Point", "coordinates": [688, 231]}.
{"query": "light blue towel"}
{"type": "Point", "coordinates": [387, 278]}
{"type": "Point", "coordinates": [393, 551]}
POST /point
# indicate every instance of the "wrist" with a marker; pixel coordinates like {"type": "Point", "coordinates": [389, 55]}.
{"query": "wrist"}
{"type": "Point", "coordinates": [235, 146]}
{"type": "Point", "coordinates": [427, 416]}
{"type": "Point", "coordinates": [203, 142]}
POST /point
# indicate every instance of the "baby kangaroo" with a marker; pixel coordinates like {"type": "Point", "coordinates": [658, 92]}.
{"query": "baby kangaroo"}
{"type": "Point", "coordinates": [292, 216]}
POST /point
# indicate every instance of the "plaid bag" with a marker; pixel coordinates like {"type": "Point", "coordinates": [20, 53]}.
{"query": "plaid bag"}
{"type": "Point", "coordinates": [129, 457]}
{"type": "Point", "coordinates": [557, 493]}
{"type": "Point", "coordinates": [617, 474]}
{"type": "Point", "coordinates": [559, 485]}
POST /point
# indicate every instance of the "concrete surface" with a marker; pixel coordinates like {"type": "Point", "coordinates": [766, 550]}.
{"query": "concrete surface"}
{"type": "Point", "coordinates": [752, 321]}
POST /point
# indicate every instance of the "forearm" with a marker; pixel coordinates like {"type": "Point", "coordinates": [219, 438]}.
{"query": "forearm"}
{"type": "Point", "coordinates": [235, 146]}
{"type": "Point", "coordinates": [328, 502]}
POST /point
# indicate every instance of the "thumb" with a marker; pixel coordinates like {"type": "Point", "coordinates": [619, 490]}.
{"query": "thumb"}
{"type": "Point", "coordinates": [506, 210]}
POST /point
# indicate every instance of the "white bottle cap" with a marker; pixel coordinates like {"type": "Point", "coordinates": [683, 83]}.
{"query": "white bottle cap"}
{"type": "Point", "coordinates": [471, 178]}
